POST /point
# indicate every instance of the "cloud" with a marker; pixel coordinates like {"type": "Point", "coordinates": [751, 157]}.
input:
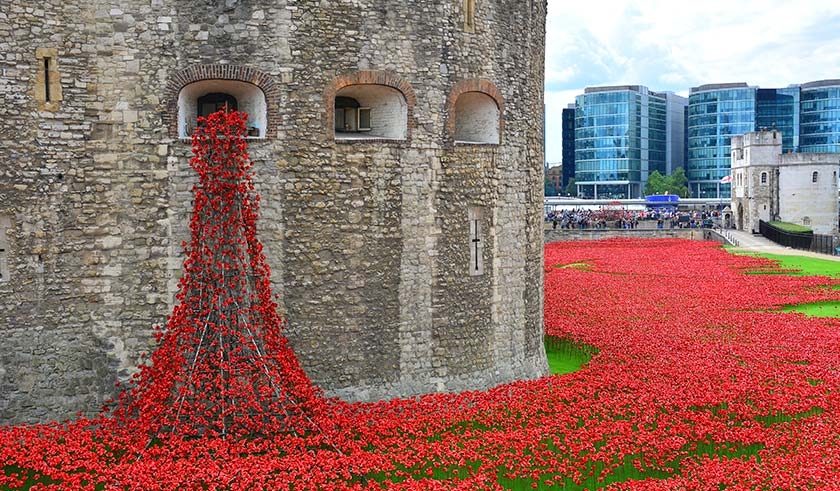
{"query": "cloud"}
{"type": "Point", "coordinates": [769, 43]}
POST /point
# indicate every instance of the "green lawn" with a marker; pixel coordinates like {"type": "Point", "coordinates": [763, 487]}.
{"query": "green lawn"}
{"type": "Point", "coordinates": [804, 265]}
{"type": "Point", "coordinates": [566, 356]}
{"type": "Point", "coordinates": [790, 227]}
{"type": "Point", "coordinates": [819, 309]}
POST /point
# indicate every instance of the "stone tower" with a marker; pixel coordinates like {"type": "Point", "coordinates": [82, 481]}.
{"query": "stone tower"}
{"type": "Point", "coordinates": [398, 152]}
{"type": "Point", "coordinates": [768, 185]}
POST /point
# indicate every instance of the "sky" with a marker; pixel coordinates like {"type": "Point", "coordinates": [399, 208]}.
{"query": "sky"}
{"type": "Point", "coordinates": [672, 45]}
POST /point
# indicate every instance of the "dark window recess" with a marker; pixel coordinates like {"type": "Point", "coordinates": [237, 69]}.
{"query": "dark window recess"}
{"type": "Point", "coordinates": [47, 79]}
{"type": "Point", "coordinates": [216, 101]}
{"type": "Point", "coordinates": [350, 117]}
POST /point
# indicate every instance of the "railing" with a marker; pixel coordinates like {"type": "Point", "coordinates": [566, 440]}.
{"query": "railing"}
{"type": "Point", "coordinates": [726, 235]}
{"type": "Point", "coordinates": [805, 241]}
{"type": "Point", "coordinates": [824, 244]}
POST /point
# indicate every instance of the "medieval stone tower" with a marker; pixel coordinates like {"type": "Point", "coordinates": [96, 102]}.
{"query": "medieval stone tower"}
{"type": "Point", "coordinates": [768, 185]}
{"type": "Point", "coordinates": [398, 152]}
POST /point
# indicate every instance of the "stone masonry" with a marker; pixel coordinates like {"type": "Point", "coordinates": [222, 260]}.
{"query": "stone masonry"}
{"type": "Point", "coordinates": [768, 185]}
{"type": "Point", "coordinates": [369, 238]}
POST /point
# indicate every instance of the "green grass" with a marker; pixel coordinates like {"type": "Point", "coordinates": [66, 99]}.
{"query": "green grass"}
{"type": "Point", "coordinates": [790, 227]}
{"type": "Point", "coordinates": [566, 356]}
{"type": "Point", "coordinates": [816, 309]}
{"type": "Point", "coordinates": [800, 265]}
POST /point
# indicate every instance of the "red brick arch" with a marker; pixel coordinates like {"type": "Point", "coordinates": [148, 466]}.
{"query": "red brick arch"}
{"type": "Point", "coordinates": [366, 77]}
{"type": "Point", "coordinates": [473, 85]}
{"type": "Point", "coordinates": [239, 73]}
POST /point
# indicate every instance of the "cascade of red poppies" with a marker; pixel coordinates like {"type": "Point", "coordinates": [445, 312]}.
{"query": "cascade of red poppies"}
{"type": "Point", "coordinates": [222, 366]}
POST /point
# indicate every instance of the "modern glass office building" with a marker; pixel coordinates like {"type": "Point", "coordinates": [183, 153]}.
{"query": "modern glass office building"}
{"type": "Point", "coordinates": [779, 108]}
{"type": "Point", "coordinates": [819, 118]}
{"type": "Point", "coordinates": [621, 136]}
{"type": "Point", "coordinates": [808, 116]}
{"type": "Point", "coordinates": [716, 113]}
{"type": "Point", "coordinates": [568, 146]}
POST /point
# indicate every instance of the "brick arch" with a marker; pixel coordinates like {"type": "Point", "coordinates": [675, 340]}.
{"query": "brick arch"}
{"type": "Point", "coordinates": [196, 73]}
{"type": "Point", "coordinates": [473, 85]}
{"type": "Point", "coordinates": [367, 77]}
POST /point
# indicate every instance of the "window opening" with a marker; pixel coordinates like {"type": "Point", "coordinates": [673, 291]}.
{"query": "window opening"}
{"type": "Point", "coordinates": [5, 223]}
{"type": "Point", "coordinates": [475, 242]}
{"type": "Point", "coordinates": [350, 116]}
{"type": "Point", "coordinates": [47, 97]}
{"type": "Point", "coordinates": [477, 119]}
{"type": "Point", "coordinates": [366, 111]}
{"type": "Point", "coordinates": [216, 101]}
{"type": "Point", "coordinates": [469, 15]}
{"type": "Point", "coordinates": [763, 178]}
{"type": "Point", "coordinates": [204, 97]}
{"type": "Point", "coordinates": [814, 176]}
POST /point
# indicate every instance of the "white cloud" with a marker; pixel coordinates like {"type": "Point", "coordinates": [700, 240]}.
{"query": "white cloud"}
{"type": "Point", "coordinates": [664, 45]}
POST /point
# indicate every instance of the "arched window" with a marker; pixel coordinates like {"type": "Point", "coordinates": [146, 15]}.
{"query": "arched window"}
{"type": "Point", "coordinates": [815, 176]}
{"type": "Point", "coordinates": [763, 178]}
{"type": "Point", "coordinates": [476, 118]}
{"type": "Point", "coordinates": [205, 97]}
{"type": "Point", "coordinates": [363, 111]}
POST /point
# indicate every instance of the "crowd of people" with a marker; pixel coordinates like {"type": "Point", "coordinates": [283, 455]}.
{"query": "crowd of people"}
{"type": "Point", "coordinates": [629, 219]}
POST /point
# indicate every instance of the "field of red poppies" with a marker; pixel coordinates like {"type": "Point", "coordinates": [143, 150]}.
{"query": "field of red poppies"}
{"type": "Point", "coordinates": [700, 382]}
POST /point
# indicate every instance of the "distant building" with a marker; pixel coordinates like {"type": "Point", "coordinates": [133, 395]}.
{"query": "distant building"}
{"type": "Point", "coordinates": [568, 136]}
{"type": "Point", "coordinates": [622, 134]}
{"type": "Point", "coordinates": [806, 115]}
{"type": "Point", "coordinates": [716, 113]}
{"type": "Point", "coordinates": [555, 177]}
{"type": "Point", "coordinates": [769, 185]}
{"type": "Point", "coordinates": [819, 116]}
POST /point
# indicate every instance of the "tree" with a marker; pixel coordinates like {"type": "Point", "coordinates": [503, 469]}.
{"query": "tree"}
{"type": "Point", "coordinates": [676, 183]}
{"type": "Point", "coordinates": [679, 183]}
{"type": "Point", "coordinates": [656, 184]}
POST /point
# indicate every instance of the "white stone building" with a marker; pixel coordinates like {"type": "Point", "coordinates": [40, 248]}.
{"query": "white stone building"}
{"type": "Point", "coordinates": [767, 185]}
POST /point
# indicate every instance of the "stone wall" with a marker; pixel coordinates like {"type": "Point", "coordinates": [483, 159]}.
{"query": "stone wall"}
{"type": "Point", "coordinates": [804, 201]}
{"type": "Point", "coordinates": [369, 240]}
{"type": "Point", "coordinates": [560, 235]}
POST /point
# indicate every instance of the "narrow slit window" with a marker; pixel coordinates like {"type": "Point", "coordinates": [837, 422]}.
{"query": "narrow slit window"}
{"type": "Point", "coordinates": [47, 89]}
{"type": "Point", "coordinates": [815, 176]}
{"type": "Point", "coordinates": [476, 242]}
{"type": "Point", "coordinates": [47, 97]}
{"type": "Point", "coordinates": [469, 15]}
{"type": "Point", "coordinates": [5, 223]}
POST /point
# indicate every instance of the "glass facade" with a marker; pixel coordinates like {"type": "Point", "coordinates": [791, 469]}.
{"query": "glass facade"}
{"type": "Point", "coordinates": [779, 108]}
{"type": "Point", "coordinates": [568, 146]}
{"type": "Point", "coordinates": [620, 137]}
{"type": "Point", "coordinates": [819, 129]}
{"type": "Point", "coordinates": [715, 114]}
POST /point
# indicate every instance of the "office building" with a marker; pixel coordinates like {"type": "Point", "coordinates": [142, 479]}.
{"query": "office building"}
{"type": "Point", "coordinates": [622, 134]}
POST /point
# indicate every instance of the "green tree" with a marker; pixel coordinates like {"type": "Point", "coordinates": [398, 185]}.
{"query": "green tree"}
{"type": "Point", "coordinates": [656, 184]}
{"type": "Point", "coordinates": [679, 183]}
{"type": "Point", "coordinates": [676, 183]}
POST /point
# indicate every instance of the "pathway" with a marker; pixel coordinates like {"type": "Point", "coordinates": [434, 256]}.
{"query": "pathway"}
{"type": "Point", "coordinates": [757, 243]}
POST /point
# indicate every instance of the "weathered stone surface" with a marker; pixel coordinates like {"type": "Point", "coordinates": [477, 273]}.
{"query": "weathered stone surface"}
{"type": "Point", "coordinates": [368, 239]}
